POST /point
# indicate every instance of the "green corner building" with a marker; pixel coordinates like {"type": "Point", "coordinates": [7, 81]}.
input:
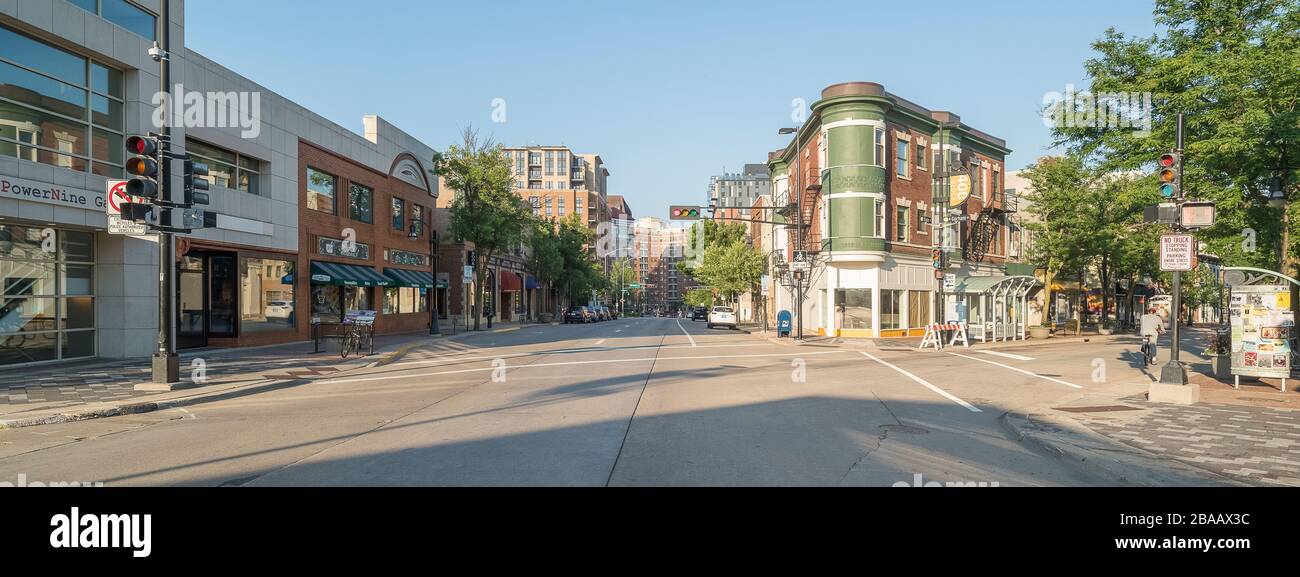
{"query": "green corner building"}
{"type": "Point", "coordinates": [871, 167]}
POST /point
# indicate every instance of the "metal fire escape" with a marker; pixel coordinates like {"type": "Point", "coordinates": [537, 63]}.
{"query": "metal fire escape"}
{"type": "Point", "coordinates": [988, 225]}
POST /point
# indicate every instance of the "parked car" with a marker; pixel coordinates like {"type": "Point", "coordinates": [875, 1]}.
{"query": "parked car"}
{"type": "Point", "coordinates": [279, 311]}
{"type": "Point", "coordinates": [722, 317]}
{"type": "Point", "coordinates": [700, 314]}
{"type": "Point", "coordinates": [604, 314]}
{"type": "Point", "coordinates": [577, 315]}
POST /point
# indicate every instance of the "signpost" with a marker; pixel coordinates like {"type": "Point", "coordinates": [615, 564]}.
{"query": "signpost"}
{"type": "Point", "coordinates": [115, 196]}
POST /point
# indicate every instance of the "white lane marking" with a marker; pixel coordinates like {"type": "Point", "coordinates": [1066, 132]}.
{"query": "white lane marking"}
{"type": "Point", "coordinates": [1008, 355]}
{"type": "Point", "coordinates": [572, 363]}
{"type": "Point", "coordinates": [601, 342]}
{"type": "Point", "coordinates": [436, 361]}
{"type": "Point", "coordinates": [1059, 381]}
{"type": "Point", "coordinates": [688, 334]}
{"type": "Point", "coordinates": [940, 392]}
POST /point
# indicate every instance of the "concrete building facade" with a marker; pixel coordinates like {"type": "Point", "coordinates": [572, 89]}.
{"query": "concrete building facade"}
{"type": "Point", "coordinates": [78, 79]}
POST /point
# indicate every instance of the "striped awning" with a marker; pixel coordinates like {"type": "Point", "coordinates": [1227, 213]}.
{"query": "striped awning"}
{"type": "Point", "coordinates": [333, 273]}
{"type": "Point", "coordinates": [412, 278]}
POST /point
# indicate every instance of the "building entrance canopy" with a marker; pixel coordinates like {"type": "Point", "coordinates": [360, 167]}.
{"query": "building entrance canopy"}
{"type": "Point", "coordinates": [995, 307]}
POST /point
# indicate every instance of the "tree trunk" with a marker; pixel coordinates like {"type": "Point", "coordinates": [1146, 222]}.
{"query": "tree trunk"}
{"type": "Point", "coordinates": [1105, 291]}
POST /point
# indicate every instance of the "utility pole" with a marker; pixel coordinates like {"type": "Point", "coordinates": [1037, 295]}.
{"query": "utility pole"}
{"type": "Point", "coordinates": [166, 363]}
{"type": "Point", "coordinates": [1174, 373]}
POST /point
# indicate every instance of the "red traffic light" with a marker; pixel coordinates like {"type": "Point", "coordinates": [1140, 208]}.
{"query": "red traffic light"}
{"type": "Point", "coordinates": [142, 145]}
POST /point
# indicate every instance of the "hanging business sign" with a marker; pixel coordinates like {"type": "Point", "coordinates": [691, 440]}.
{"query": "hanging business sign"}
{"type": "Point", "coordinates": [961, 189]}
{"type": "Point", "coordinates": [407, 258]}
{"type": "Point", "coordinates": [1262, 324]}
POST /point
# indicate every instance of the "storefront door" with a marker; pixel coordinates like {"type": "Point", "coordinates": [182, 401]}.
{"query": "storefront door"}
{"type": "Point", "coordinates": [191, 322]}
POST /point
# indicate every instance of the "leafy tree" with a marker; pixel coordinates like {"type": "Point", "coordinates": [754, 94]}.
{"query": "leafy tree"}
{"type": "Point", "coordinates": [579, 274]}
{"type": "Point", "coordinates": [486, 211]}
{"type": "Point", "coordinates": [699, 297]}
{"type": "Point", "coordinates": [1232, 67]}
{"type": "Point", "coordinates": [545, 260]}
{"type": "Point", "coordinates": [731, 270]}
{"type": "Point", "coordinates": [621, 274]}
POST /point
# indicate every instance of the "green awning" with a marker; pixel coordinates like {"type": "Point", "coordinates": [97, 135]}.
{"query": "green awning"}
{"type": "Point", "coordinates": [412, 278]}
{"type": "Point", "coordinates": [334, 273]}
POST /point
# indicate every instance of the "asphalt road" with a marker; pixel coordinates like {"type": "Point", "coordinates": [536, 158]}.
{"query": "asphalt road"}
{"type": "Point", "coordinates": [635, 402]}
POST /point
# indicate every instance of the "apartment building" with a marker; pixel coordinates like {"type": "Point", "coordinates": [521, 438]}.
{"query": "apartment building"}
{"type": "Point", "coordinates": [660, 248]}
{"type": "Point", "coordinates": [869, 166]}
{"type": "Point", "coordinates": [558, 182]}
{"type": "Point", "coordinates": [77, 79]}
{"type": "Point", "coordinates": [732, 194]}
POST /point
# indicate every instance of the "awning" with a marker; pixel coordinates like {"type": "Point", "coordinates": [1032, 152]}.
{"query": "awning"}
{"type": "Point", "coordinates": [333, 273]}
{"type": "Point", "coordinates": [510, 282]}
{"type": "Point", "coordinates": [410, 278]}
{"type": "Point", "coordinates": [995, 285]}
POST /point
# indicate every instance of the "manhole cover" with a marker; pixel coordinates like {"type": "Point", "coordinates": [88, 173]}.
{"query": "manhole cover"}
{"type": "Point", "coordinates": [904, 430]}
{"type": "Point", "coordinates": [1107, 409]}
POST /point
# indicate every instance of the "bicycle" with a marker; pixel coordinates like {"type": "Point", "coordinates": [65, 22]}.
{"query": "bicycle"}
{"type": "Point", "coordinates": [354, 337]}
{"type": "Point", "coordinates": [1148, 350]}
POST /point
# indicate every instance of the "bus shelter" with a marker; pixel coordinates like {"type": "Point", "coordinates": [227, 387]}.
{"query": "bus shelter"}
{"type": "Point", "coordinates": [995, 308]}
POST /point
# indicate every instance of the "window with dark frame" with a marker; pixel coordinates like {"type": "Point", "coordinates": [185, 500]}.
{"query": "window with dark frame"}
{"type": "Point", "coordinates": [399, 214]}
{"type": "Point", "coordinates": [361, 204]}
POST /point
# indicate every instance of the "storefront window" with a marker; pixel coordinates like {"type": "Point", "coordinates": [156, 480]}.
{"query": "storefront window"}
{"type": "Point", "coordinates": [854, 308]}
{"type": "Point", "coordinates": [356, 299]}
{"type": "Point", "coordinates": [47, 300]}
{"type": "Point", "coordinates": [326, 303]}
{"type": "Point", "coordinates": [266, 299]}
{"type": "Point", "coordinates": [891, 310]}
{"type": "Point", "coordinates": [360, 205]}
{"type": "Point", "coordinates": [422, 301]}
{"type": "Point", "coordinates": [402, 301]}
{"type": "Point", "coordinates": [918, 309]}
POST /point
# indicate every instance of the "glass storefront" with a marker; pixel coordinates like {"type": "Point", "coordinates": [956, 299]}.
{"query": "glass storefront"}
{"type": "Point", "coordinates": [891, 310]}
{"type": "Point", "coordinates": [47, 295]}
{"type": "Point", "coordinates": [919, 309]}
{"type": "Point", "coordinates": [266, 295]}
{"type": "Point", "coordinates": [854, 309]}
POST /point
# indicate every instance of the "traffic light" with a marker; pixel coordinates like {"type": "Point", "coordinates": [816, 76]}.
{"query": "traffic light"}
{"type": "Point", "coordinates": [685, 213]}
{"type": "Point", "coordinates": [142, 166]}
{"type": "Point", "coordinates": [1170, 173]}
{"type": "Point", "coordinates": [196, 187]}
{"type": "Point", "coordinates": [938, 258]}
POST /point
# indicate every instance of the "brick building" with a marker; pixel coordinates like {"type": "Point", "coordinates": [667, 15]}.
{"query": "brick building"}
{"type": "Point", "coordinates": [865, 164]}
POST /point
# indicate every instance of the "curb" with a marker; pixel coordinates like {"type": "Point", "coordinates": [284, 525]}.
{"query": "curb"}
{"type": "Point", "coordinates": [1094, 454]}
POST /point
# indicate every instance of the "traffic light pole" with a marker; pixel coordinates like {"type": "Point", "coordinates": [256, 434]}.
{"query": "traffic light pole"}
{"type": "Point", "coordinates": [166, 363]}
{"type": "Point", "coordinates": [1174, 373]}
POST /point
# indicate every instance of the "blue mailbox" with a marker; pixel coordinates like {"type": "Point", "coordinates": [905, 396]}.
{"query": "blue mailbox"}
{"type": "Point", "coordinates": [784, 324]}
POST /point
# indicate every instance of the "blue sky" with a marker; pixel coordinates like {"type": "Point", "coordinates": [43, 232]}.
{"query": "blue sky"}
{"type": "Point", "coordinates": [668, 93]}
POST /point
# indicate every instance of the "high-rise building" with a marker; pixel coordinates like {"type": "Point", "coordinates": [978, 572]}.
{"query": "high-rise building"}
{"type": "Point", "coordinates": [732, 194]}
{"type": "Point", "coordinates": [659, 249]}
{"type": "Point", "coordinates": [558, 182]}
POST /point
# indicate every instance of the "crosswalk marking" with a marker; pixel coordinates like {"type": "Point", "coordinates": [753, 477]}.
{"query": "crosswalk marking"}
{"type": "Point", "coordinates": [1008, 355]}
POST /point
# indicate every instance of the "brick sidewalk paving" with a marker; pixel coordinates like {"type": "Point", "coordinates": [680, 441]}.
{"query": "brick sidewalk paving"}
{"type": "Point", "coordinates": [1259, 445]}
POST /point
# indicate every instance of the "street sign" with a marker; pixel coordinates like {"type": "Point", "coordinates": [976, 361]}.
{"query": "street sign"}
{"type": "Point", "coordinates": [115, 195]}
{"type": "Point", "coordinates": [801, 266]}
{"type": "Point", "coordinates": [949, 282]}
{"type": "Point", "coordinates": [469, 274]}
{"type": "Point", "coordinates": [1177, 253]}
{"type": "Point", "coordinates": [634, 286]}
{"type": "Point", "coordinates": [961, 188]}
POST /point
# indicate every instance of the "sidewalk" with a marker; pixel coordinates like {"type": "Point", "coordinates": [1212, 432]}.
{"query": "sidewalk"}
{"type": "Point", "coordinates": [99, 388]}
